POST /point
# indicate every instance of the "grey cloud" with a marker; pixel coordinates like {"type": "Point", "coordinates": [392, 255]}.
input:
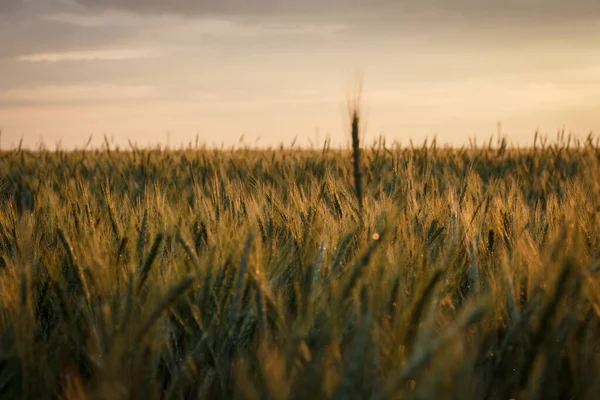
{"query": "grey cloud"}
{"type": "Point", "coordinates": [20, 9]}
{"type": "Point", "coordinates": [31, 36]}
{"type": "Point", "coordinates": [229, 7]}
{"type": "Point", "coordinates": [8, 5]}
{"type": "Point", "coordinates": [530, 9]}
{"type": "Point", "coordinates": [25, 30]}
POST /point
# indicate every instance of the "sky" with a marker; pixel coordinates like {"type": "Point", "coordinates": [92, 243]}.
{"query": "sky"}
{"type": "Point", "coordinates": [264, 72]}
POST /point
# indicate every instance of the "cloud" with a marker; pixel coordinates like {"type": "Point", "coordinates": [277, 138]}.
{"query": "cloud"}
{"type": "Point", "coordinates": [91, 55]}
{"type": "Point", "coordinates": [76, 94]}
{"type": "Point", "coordinates": [303, 92]}
{"type": "Point", "coordinates": [34, 35]}
{"type": "Point", "coordinates": [15, 10]}
{"type": "Point", "coordinates": [8, 5]}
{"type": "Point", "coordinates": [526, 9]}
{"type": "Point", "coordinates": [214, 7]}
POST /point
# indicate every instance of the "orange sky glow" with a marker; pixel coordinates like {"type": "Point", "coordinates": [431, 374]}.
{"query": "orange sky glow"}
{"type": "Point", "coordinates": [168, 72]}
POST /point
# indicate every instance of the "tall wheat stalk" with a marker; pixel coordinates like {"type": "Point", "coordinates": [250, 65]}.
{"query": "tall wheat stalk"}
{"type": "Point", "coordinates": [354, 111]}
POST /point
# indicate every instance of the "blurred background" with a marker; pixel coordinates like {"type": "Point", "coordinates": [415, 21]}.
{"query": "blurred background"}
{"type": "Point", "coordinates": [157, 72]}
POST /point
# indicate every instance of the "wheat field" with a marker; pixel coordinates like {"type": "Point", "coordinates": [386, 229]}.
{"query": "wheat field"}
{"type": "Point", "coordinates": [453, 273]}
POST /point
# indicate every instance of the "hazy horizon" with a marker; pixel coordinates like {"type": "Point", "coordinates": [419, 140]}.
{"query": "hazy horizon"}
{"type": "Point", "coordinates": [276, 69]}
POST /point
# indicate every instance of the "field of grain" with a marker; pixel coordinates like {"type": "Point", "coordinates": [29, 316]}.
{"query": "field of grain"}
{"type": "Point", "coordinates": [468, 273]}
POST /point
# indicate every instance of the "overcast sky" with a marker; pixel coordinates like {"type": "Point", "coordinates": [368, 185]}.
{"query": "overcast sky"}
{"type": "Point", "coordinates": [276, 69]}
